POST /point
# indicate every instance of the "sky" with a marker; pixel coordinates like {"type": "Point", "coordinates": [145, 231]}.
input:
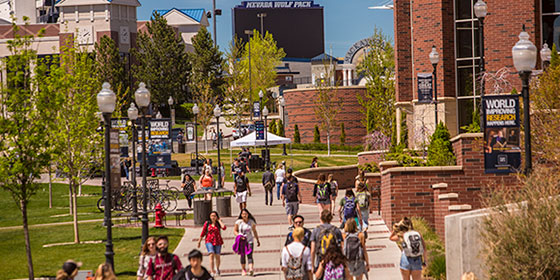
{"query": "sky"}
{"type": "Point", "coordinates": [346, 21]}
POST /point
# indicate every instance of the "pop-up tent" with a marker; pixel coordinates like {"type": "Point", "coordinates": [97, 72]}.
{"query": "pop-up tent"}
{"type": "Point", "coordinates": [250, 140]}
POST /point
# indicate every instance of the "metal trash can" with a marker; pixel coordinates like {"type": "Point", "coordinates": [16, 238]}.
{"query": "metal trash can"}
{"type": "Point", "coordinates": [181, 148]}
{"type": "Point", "coordinates": [223, 202]}
{"type": "Point", "coordinates": [202, 208]}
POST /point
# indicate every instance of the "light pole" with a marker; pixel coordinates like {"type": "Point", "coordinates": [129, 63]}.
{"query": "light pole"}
{"type": "Point", "coordinates": [172, 113]}
{"type": "Point", "coordinates": [260, 103]}
{"type": "Point", "coordinates": [217, 114]}
{"type": "Point", "coordinates": [524, 59]}
{"type": "Point", "coordinates": [265, 115]}
{"type": "Point", "coordinates": [106, 100]}
{"type": "Point", "coordinates": [546, 55]}
{"type": "Point", "coordinates": [434, 59]}
{"type": "Point", "coordinates": [282, 104]}
{"type": "Point", "coordinates": [481, 10]}
{"type": "Point", "coordinates": [133, 115]}
{"type": "Point", "coordinates": [262, 16]}
{"type": "Point", "coordinates": [195, 113]}
{"type": "Point", "coordinates": [142, 97]}
{"type": "Point", "coordinates": [249, 33]}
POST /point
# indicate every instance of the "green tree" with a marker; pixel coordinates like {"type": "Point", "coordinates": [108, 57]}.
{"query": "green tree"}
{"type": "Point", "coordinates": [272, 128]}
{"type": "Point", "coordinates": [162, 62]}
{"type": "Point", "coordinates": [440, 150]}
{"type": "Point", "coordinates": [555, 57]}
{"type": "Point", "coordinates": [206, 101]}
{"type": "Point", "coordinates": [207, 62]}
{"type": "Point", "coordinates": [297, 138]}
{"type": "Point", "coordinates": [24, 149]}
{"type": "Point", "coordinates": [378, 68]}
{"type": "Point", "coordinates": [109, 65]}
{"type": "Point", "coordinates": [236, 100]}
{"type": "Point", "coordinates": [280, 128]}
{"type": "Point", "coordinates": [327, 103]}
{"type": "Point", "coordinates": [342, 134]}
{"type": "Point", "coordinates": [316, 135]}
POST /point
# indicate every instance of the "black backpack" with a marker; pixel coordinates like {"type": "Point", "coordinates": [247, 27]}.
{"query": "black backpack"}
{"type": "Point", "coordinates": [353, 247]}
{"type": "Point", "coordinates": [291, 190]}
{"type": "Point", "coordinates": [241, 183]}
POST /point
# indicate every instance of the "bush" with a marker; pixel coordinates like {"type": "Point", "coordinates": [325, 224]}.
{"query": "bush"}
{"type": "Point", "coordinates": [297, 138]}
{"type": "Point", "coordinates": [316, 135]}
{"type": "Point", "coordinates": [435, 249]}
{"type": "Point", "coordinates": [369, 167]}
{"type": "Point", "coordinates": [342, 134]}
{"type": "Point", "coordinates": [280, 128]}
{"type": "Point", "coordinates": [440, 151]}
{"type": "Point", "coordinates": [272, 126]}
{"type": "Point", "coordinates": [323, 147]}
{"type": "Point", "coordinates": [404, 157]}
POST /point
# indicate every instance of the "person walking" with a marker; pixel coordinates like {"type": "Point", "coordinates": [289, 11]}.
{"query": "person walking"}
{"type": "Point", "coordinates": [322, 192]}
{"type": "Point", "coordinates": [349, 209]}
{"type": "Point", "coordinates": [69, 270]}
{"type": "Point", "coordinates": [127, 166]}
{"type": "Point", "coordinates": [361, 178]}
{"type": "Point", "coordinates": [212, 230]}
{"type": "Point", "coordinates": [268, 184]}
{"type": "Point", "coordinates": [206, 181]}
{"type": "Point", "coordinates": [291, 197]}
{"type": "Point", "coordinates": [334, 190]}
{"type": "Point", "coordinates": [323, 237]}
{"type": "Point", "coordinates": [207, 166]}
{"type": "Point", "coordinates": [165, 265]}
{"type": "Point", "coordinates": [235, 168]}
{"type": "Point", "coordinates": [222, 174]}
{"type": "Point", "coordinates": [189, 186]}
{"type": "Point", "coordinates": [104, 272]}
{"type": "Point", "coordinates": [299, 223]}
{"type": "Point", "coordinates": [148, 254]}
{"type": "Point", "coordinates": [241, 188]}
{"type": "Point", "coordinates": [245, 231]}
{"type": "Point", "coordinates": [363, 196]}
{"type": "Point", "coordinates": [413, 248]}
{"type": "Point", "coordinates": [355, 250]}
{"type": "Point", "coordinates": [195, 270]}
{"type": "Point", "coordinates": [314, 163]}
{"type": "Point", "coordinates": [334, 266]}
{"type": "Point", "coordinates": [296, 258]}
{"type": "Point", "coordinates": [279, 174]}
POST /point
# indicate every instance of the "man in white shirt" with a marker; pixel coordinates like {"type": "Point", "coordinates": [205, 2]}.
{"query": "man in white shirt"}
{"type": "Point", "coordinates": [279, 174]}
{"type": "Point", "coordinates": [296, 253]}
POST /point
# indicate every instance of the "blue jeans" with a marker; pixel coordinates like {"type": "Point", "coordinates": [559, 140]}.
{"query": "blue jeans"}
{"type": "Point", "coordinates": [365, 217]}
{"type": "Point", "coordinates": [213, 249]}
{"type": "Point", "coordinates": [278, 186]}
{"type": "Point", "coordinates": [410, 263]}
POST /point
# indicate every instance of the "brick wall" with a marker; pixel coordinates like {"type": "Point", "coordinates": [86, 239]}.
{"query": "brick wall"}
{"type": "Point", "coordinates": [371, 157]}
{"type": "Point", "coordinates": [300, 110]}
{"type": "Point", "coordinates": [344, 175]}
{"type": "Point", "coordinates": [403, 57]}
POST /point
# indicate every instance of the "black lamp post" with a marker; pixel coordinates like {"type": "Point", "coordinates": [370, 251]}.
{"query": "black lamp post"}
{"type": "Point", "coordinates": [142, 97]}
{"type": "Point", "coordinates": [434, 59]}
{"type": "Point", "coordinates": [282, 104]}
{"type": "Point", "coordinates": [133, 115]}
{"type": "Point", "coordinates": [249, 33]}
{"type": "Point", "coordinates": [195, 113]}
{"type": "Point", "coordinates": [267, 159]}
{"type": "Point", "coordinates": [546, 56]}
{"type": "Point", "coordinates": [217, 114]}
{"type": "Point", "coordinates": [524, 59]}
{"type": "Point", "coordinates": [106, 100]}
{"type": "Point", "coordinates": [480, 11]}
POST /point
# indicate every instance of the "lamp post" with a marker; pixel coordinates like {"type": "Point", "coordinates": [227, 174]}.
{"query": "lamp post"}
{"type": "Point", "coordinates": [217, 114]}
{"type": "Point", "coordinates": [262, 16]}
{"type": "Point", "coordinates": [142, 97]}
{"type": "Point", "coordinates": [434, 59]}
{"type": "Point", "coordinates": [265, 115]}
{"type": "Point", "coordinates": [133, 115]}
{"type": "Point", "coordinates": [249, 33]}
{"type": "Point", "coordinates": [480, 11]}
{"type": "Point", "coordinates": [260, 102]}
{"type": "Point", "coordinates": [195, 113]}
{"type": "Point", "coordinates": [524, 59]}
{"type": "Point", "coordinates": [282, 104]}
{"type": "Point", "coordinates": [546, 56]}
{"type": "Point", "coordinates": [106, 100]}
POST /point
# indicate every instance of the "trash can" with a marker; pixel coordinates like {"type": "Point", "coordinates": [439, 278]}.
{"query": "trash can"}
{"type": "Point", "coordinates": [223, 202]}
{"type": "Point", "coordinates": [182, 148]}
{"type": "Point", "coordinates": [202, 208]}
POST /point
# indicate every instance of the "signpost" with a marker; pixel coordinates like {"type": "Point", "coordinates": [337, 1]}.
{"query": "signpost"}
{"type": "Point", "coordinates": [259, 130]}
{"type": "Point", "coordinates": [189, 132]}
{"type": "Point", "coordinates": [115, 156]}
{"type": "Point", "coordinates": [425, 87]}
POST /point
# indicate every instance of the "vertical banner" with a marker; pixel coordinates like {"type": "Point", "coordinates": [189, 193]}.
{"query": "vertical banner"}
{"type": "Point", "coordinates": [189, 131]}
{"type": "Point", "coordinates": [256, 109]}
{"type": "Point", "coordinates": [159, 149]}
{"type": "Point", "coordinates": [425, 87]}
{"type": "Point", "coordinates": [259, 130]}
{"type": "Point", "coordinates": [115, 157]}
{"type": "Point", "coordinates": [502, 153]}
{"type": "Point", "coordinates": [122, 126]}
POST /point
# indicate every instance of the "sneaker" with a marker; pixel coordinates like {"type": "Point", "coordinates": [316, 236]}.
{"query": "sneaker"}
{"type": "Point", "coordinates": [218, 273]}
{"type": "Point", "coordinates": [251, 273]}
{"type": "Point", "coordinates": [243, 272]}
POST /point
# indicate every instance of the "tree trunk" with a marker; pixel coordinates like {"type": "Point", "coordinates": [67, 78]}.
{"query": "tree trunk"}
{"type": "Point", "coordinates": [80, 188]}
{"type": "Point", "coordinates": [75, 214]}
{"type": "Point", "coordinates": [70, 201]}
{"type": "Point", "coordinates": [23, 206]}
{"type": "Point", "coordinates": [50, 186]}
{"type": "Point", "coordinates": [205, 141]}
{"type": "Point", "coordinates": [328, 143]}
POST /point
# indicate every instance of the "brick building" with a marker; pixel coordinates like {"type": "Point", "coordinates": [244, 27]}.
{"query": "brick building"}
{"type": "Point", "coordinates": [452, 27]}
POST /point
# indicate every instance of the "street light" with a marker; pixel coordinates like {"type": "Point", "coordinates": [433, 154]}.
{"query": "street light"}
{"type": "Point", "coordinates": [142, 97]}
{"type": "Point", "coordinates": [260, 101]}
{"type": "Point", "coordinates": [262, 16]}
{"type": "Point", "coordinates": [282, 104]}
{"type": "Point", "coordinates": [217, 114]}
{"type": "Point", "coordinates": [106, 100]}
{"type": "Point", "coordinates": [249, 33]}
{"type": "Point", "coordinates": [434, 59]}
{"type": "Point", "coordinates": [195, 113]}
{"type": "Point", "coordinates": [524, 59]}
{"type": "Point", "coordinates": [546, 56]}
{"type": "Point", "coordinates": [267, 157]}
{"type": "Point", "coordinates": [480, 11]}
{"type": "Point", "coordinates": [133, 115]}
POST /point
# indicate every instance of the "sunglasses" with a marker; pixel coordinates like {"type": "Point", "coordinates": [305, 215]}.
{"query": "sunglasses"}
{"type": "Point", "coordinates": [298, 222]}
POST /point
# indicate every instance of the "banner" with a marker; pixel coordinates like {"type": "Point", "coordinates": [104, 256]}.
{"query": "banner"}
{"type": "Point", "coordinates": [122, 126]}
{"type": "Point", "coordinates": [276, 4]}
{"type": "Point", "coordinates": [159, 129]}
{"type": "Point", "coordinates": [502, 153]}
{"type": "Point", "coordinates": [189, 131]}
{"type": "Point", "coordinates": [256, 109]}
{"type": "Point", "coordinates": [114, 156]}
{"type": "Point", "coordinates": [425, 87]}
{"type": "Point", "coordinates": [259, 130]}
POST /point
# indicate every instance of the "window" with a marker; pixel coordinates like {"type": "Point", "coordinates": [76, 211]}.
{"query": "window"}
{"type": "Point", "coordinates": [467, 61]}
{"type": "Point", "coordinates": [551, 22]}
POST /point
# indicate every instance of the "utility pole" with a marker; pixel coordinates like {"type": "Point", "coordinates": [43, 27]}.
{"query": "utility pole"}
{"type": "Point", "coordinates": [262, 16]}
{"type": "Point", "coordinates": [214, 21]}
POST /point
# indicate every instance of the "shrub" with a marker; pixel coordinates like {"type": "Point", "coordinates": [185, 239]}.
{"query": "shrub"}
{"type": "Point", "coordinates": [376, 141]}
{"type": "Point", "coordinates": [404, 157]}
{"type": "Point", "coordinates": [272, 126]}
{"type": "Point", "coordinates": [342, 134]}
{"type": "Point", "coordinates": [323, 147]}
{"type": "Point", "coordinates": [435, 249]}
{"type": "Point", "coordinates": [440, 151]}
{"type": "Point", "coordinates": [297, 138]}
{"type": "Point", "coordinates": [280, 128]}
{"type": "Point", "coordinates": [369, 167]}
{"type": "Point", "coordinates": [316, 135]}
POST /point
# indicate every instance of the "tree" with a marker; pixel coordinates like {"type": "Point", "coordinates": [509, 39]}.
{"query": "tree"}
{"type": "Point", "coordinates": [25, 110]}
{"type": "Point", "coordinates": [109, 65]}
{"type": "Point", "coordinates": [207, 62]}
{"type": "Point", "coordinates": [440, 150]}
{"type": "Point", "coordinates": [342, 134]}
{"type": "Point", "coordinates": [316, 135]}
{"type": "Point", "coordinates": [236, 100]}
{"type": "Point", "coordinates": [327, 103]}
{"type": "Point", "coordinates": [280, 128]}
{"type": "Point", "coordinates": [205, 100]}
{"type": "Point", "coordinates": [162, 62]}
{"type": "Point", "coordinates": [297, 138]}
{"type": "Point", "coordinates": [378, 68]}
{"type": "Point", "coordinates": [555, 57]}
{"type": "Point", "coordinates": [272, 128]}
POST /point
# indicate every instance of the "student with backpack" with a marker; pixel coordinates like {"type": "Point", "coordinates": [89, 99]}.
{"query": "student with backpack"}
{"type": "Point", "coordinates": [296, 258]}
{"type": "Point", "coordinates": [165, 265]}
{"type": "Point", "coordinates": [195, 270]}
{"type": "Point", "coordinates": [291, 196]}
{"type": "Point", "coordinates": [322, 192]}
{"type": "Point", "coordinates": [349, 209]}
{"type": "Point", "coordinates": [334, 266]}
{"type": "Point", "coordinates": [212, 230]}
{"type": "Point", "coordinates": [241, 188]}
{"type": "Point", "coordinates": [355, 250]}
{"type": "Point", "coordinates": [323, 237]}
{"type": "Point", "coordinates": [245, 231]}
{"type": "Point", "coordinates": [364, 202]}
{"type": "Point", "coordinates": [334, 190]}
{"type": "Point", "coordinates": [268, 184]}
{"type": "Point", "coordinates": [413, 249]}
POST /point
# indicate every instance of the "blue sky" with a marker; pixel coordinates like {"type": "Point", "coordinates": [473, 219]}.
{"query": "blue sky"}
{"type": "Point", "coordinates": [346, 21]}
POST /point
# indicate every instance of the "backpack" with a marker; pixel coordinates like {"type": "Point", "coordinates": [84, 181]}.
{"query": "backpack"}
{"type": "Point", "coordinates": [296, 268]}
{"type": "Point", "coordinates": [349, 208]}
{"type": "Point", "coordinates": [363, 200]}
{"type": "Point", "coordinates": [325, 239]}
{"type": "Point", "coordinates": [241, 184]}
{"type": "Point", "coordinates": [412, 244]}
{"type": "Point", "coordinates": [323, 192]}
{"type": "Point", "coordinates": [353, 249]}
{"type": "Point", "coordinates": [334, 273]}
{"type": "Point", "coordinates": [291, 190]}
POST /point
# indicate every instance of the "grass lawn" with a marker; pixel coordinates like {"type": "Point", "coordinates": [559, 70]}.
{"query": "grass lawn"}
{"type": "Point", "coordinates": [46, 261]}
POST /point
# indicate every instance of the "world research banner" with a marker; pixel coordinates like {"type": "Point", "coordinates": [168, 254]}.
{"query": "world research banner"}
{"type": "Point", "coordinates": [160, 129]}
{"type": "Point", "coordinates": [502, 153]}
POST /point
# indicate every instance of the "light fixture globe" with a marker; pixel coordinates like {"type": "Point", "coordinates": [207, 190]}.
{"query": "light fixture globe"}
{"type": "Point", "coordinates": [132, 112]}
{"type": "Point", "coordinates": [265, 111]}
{"type": "Point", "coordinates": [195, 109]}
{"type": "Point", "coordinates": [480, 9]}
{"type": "Point", "coordinates": [170, 101]}
{"type": "Point", "coordinates": [282, 101]}
{"type": "Point", "coordinates": [106, 99]}
{"type": "Point", "coordinates": [434, 56]}
{"type": "Point", "coordinates": [546, 53]}
{"type": "Point", "coordinates": [217, 111]}
{"type": "Point", "coordinates": [274, 95]}
{"type": "Point", "coordinates": [142, 96]}
{"type": "Point", "coordinates": [524, 53]}
{"type": "Point", "coordinates": [261, 94]}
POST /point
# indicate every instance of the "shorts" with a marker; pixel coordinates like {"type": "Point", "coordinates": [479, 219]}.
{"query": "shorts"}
{"type": "Point", "coordinates": [410, 263]}
{"type": "Point", "coordinates": [207, 188]}
{"type": "Point", "coordinates": [357, 268]}
{"type": "Point", "coordinates": [292, 208]}
{"type": "Point", "coordinates": [324, 202]}
{"type": "Point", "coordinates": [213, 249]}
{"type": "Point", "coordinates": [241, 197]}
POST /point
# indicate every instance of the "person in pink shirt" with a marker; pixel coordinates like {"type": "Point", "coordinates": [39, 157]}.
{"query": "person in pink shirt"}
{"type": "Point", "coordinates": [165, 265]}
{"type": "Point", "coordinates": [212, 230]}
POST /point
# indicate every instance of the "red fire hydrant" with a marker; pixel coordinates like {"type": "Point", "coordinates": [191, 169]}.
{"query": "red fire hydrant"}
{"type": "Point", "coordinates": [159, 216]}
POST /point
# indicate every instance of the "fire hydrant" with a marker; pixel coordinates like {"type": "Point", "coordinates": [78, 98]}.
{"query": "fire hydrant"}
{"type": "Point", "coordinates": [159, 216]}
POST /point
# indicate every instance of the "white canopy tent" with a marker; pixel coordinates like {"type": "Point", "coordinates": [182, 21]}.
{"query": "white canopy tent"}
{"type": "Point", "coordinates": [250, 140]}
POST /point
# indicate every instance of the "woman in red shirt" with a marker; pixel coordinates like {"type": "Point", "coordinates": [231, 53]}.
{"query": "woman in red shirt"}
{"type": "Point", "coordinates": [212, 230]}
{"type": "Point", "coordinates": [207, 182]}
